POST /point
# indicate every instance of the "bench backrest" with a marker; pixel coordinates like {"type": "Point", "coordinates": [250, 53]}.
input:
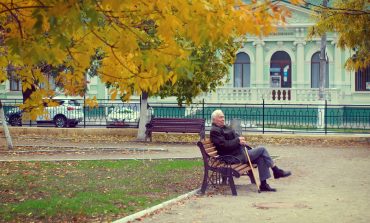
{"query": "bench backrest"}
{"type": "Point", "coordinates": [208, 150]}
{"type": "Point", "coordinates": [177, 120]}
{"type": "Point", "coordinates": [185, 125]}
{"type": "Point", "coordinates": [211, 159]}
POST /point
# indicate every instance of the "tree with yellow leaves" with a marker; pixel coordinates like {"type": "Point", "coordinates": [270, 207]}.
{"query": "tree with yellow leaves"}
{"type": "Point", "coordinates": [351, 20]}
{"type": "Point", "coordinates": [146, 44]}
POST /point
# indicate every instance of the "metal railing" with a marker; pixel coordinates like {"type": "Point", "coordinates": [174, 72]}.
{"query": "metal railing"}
{"type": "Point", "coordinates": [259, 117]}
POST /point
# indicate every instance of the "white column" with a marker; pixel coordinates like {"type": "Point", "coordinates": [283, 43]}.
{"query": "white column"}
{"type": "Point", "coordinates": [338, 76]}
{"type": "Point", "coordinates": [300, 63]}
{"type": "Point", "coordinates": [259, 63]}
{"type": "Point", "coordinates": [349, 76]}
{"type": "Point", "coordinates": [7, 85]}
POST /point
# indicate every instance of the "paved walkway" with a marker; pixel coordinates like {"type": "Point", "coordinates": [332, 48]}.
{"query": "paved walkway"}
{"type": "Point", "coordinates": [329, 184]}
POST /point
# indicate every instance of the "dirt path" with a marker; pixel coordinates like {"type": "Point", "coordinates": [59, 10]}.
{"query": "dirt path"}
{"type": "Point", "coordinates": [59, 150]}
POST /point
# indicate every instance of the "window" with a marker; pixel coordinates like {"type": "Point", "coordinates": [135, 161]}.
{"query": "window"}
{"type": "Point", "coordinates": [242, 70]}
{"type": "Point", "coordinates": [315, 71]}
{"type": "Point", "coordinates": [73, 102]}
{"type": "Point", "coordinates": [363, 79]}
{"type": "Point", "coordinates": [280, 70]}
{"type": "Point", "coordinates": [15, 85]}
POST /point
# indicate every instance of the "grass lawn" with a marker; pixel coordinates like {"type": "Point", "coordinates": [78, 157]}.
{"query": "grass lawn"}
{"type": "Point", "coordinates": [86, 191]}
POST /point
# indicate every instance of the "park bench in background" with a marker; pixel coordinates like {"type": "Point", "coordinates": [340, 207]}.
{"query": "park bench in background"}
{"type": "Point", "coordinates": [177, 125]}
{"type": "Point", "coordinates": [220, 169]}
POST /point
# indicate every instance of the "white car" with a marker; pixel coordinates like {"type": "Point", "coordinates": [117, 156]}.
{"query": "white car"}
{"type": "Point", "coordinates": [67, 114]}
{"type": "Point", "coordinates": [120, 116]}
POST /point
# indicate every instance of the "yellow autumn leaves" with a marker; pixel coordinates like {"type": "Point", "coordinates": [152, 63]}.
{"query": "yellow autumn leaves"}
{"type": "Point", "coordinates": [144, 42]}
{"type": "Point", "coordinates": [351, 20]}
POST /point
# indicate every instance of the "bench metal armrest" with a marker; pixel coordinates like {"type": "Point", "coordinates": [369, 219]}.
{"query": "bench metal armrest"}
{"type": "Point", "coordinates": [229, 159]}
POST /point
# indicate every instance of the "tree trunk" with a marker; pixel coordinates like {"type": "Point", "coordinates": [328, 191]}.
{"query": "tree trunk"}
{"type": "Point", "coordinates": [26, 120]}
{"type": "Point", "coordinates": [143, 117]}
{"type": "Point", "coordinates": [322, 62]}
{"type": "Point", "coordinates": [5, 127]}
{"type": "Point", "coordinates": [322, 78]}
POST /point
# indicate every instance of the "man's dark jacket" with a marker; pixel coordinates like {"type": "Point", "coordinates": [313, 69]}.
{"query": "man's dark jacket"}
{"type": "Point", "coordinates": [226, 140]}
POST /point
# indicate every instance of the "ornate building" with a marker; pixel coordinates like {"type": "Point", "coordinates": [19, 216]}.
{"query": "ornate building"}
{"type": "Point", "coordinates": [284, 67]}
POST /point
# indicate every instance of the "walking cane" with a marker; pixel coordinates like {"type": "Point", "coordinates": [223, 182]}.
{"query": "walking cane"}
{"type": "Point", "coordinates": [252, 169]}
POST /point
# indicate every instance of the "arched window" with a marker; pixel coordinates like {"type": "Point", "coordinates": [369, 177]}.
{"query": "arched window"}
{"type": "Point", "coordinates": [280, 70]}
{"type": "Point", "coordinates": [242, 70]}
{"type": "Point", "coordinates": [363, 79]}
{"type": "Point", "coordinates": [15, 84]}
{"type": "Point", "coordinates": [315, 71]}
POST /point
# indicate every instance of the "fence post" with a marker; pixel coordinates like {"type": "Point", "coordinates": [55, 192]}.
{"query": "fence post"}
{"type": "Point", "coordinates": [84, 110]}
{"type": "Point", "coordinates": [326, 117]}
{"type": "Point", "coordinates": [203, 114]}
{"type": "Point", "coordinates": [263, 116]}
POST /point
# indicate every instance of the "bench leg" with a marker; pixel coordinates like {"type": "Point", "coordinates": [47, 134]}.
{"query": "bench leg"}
{"type": "Point", "coordinates": [148, 134]}
{"type": "Point", "coordinates": [205, 182]}
{"type": "Point", "coordinates": [224, 180]}
{"type": "Point", "coordinates": [232, 186]}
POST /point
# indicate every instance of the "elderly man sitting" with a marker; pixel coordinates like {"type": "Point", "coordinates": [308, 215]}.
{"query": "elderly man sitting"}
{"type": "Point", "coordinates": [228, 142]}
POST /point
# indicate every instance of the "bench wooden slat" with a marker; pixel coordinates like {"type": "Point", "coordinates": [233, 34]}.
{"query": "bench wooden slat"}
{"type": "Point", "coordinates": [210, 149]}
{"type": "Point", "coordinates": [214, 153]}
{"type": "Point", "coordinates": [217, 164]}
{"type": "Point", "coordinates": [209, 145]}
{"type": "Point", "coordinates": [242, 168]}
{"type": "Point", "coordinates": [172, 129]}
{"type": "Point", "coordinates": [206, 141]}
{"type": "Point", "coordinates": [164, 122]}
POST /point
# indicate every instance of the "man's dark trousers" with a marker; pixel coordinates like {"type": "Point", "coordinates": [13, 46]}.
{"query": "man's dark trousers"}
{"type": "Point", "coordinates": [259, 156]}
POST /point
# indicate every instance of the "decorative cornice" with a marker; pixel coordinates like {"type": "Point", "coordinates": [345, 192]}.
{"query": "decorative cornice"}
{"type": "Point", "coordinates": [299, 42]}
{"type": "Point", "coordinates": [279, 43]}
{"type": "Point", "coordinates": [259, 42]}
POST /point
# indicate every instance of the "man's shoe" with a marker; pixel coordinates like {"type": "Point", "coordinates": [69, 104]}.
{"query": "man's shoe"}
{"type": "Point", "coordinates": [281, 173]}
{"type": "Point", "coordinates": [266, 187]}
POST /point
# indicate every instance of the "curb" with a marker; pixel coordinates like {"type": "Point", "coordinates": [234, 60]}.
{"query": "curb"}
{"type": "Point", "coordinates": [80, 149]}
{"type": "Point", "coordinates": [103, 158]}
{"type": "Point", "coordinates": [140, 214]}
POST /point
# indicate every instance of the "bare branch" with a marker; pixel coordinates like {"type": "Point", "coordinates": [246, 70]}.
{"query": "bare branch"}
{"type": "Point", "coordinates": [22, 7]}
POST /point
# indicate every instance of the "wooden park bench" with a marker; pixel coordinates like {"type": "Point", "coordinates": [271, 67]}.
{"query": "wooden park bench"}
{"type": "Point", "coordinates": [177, 125]}
{"type": "Point", "coordinates": [220, 169]}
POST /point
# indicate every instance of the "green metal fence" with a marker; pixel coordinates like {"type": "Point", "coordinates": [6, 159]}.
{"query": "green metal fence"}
{"type": "Point", "coordinates": [262, 117]}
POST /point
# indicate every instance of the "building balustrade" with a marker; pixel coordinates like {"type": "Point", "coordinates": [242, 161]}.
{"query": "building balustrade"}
{"type": "Point", "coordinates": [288, 95]}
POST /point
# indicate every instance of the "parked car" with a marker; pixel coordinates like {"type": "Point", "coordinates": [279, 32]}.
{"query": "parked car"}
{"type": "Point", "coordinates": [14, 117]}
{"type": "Point", "coordinates": [120, 116]}
{"type": "Point", "coordinates": [67, 114]}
